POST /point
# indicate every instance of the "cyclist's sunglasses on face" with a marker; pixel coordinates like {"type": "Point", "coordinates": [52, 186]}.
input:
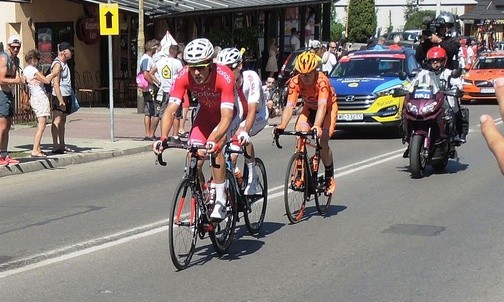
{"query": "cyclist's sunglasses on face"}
{"type": "Point", "coordinates": [15, 47]}
{"type": "Point", "coordinates": [198, 66]}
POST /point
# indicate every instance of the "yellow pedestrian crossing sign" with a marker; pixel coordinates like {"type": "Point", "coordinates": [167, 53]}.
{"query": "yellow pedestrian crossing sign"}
{"type": "Point", "coordinates": [109, 19]}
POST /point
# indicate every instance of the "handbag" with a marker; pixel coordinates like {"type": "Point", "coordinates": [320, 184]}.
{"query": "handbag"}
{"type": "Point", "coordinates": [141, 81]}
{"type": "Point", "coordinates": [75, 103]}
{"type": "Point", "coordinates": [25, 99]}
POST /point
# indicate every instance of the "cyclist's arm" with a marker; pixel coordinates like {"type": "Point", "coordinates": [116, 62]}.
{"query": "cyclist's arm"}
{"type": "Point", "coordinates": [253, 98]}
{"type": "Point", "coordinates": [292, 98]}
{"type": "Point", "coordinates": [223, 126]}
{"type": "Point", "coordinates": [324, 89]}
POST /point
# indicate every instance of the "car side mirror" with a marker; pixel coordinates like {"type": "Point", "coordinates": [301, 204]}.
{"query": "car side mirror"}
{"type": "Point", "coordinates": [402, 75]}
{"type": "Point", "coordinates": [399, 92]}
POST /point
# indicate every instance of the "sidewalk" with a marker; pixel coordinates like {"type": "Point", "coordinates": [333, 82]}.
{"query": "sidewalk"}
{"type": "Point", "coordinates": [88, 133]}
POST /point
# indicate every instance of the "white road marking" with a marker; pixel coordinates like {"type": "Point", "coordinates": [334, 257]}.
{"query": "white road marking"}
{"type": "Point", "coordinates": [91, 246]}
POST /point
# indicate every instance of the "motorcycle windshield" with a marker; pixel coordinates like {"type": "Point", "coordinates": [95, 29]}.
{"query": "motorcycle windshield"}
{"type": "Point", "coordinates": [425, 85]}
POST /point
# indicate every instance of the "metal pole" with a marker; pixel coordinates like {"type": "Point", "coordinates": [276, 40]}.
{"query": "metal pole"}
{"type": "Point", "coordinates": [111, 86]}
{"type": "Point", "coordinates": [140, 50]}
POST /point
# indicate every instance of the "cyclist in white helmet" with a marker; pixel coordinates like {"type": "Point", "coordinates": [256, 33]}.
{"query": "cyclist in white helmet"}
{"type": "Point", "coordinates": [255, 113]}
{"type": "Point", "coordinates": [216, 118]}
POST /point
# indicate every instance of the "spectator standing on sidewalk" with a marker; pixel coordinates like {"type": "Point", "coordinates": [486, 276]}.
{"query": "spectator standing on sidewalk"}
{"type": "Point", "coordinates": [294, 41]}
{"type": "Point", "coordinates": [146, 64]}
{"type": "Point", "coordinates": [329, 58]}
{"type": "Point", "coordinates": [165, 72]}
{"type": "Point", "coordinates": [61, 103]}
{"type": "Point", "coordinates": [39, 101]}
{"type": "Point", "coordinates": [272, 64]}
{"type": "Point", "coordinates": [9, 75]}
{"type": "Point", "coordinates": [185, 103]}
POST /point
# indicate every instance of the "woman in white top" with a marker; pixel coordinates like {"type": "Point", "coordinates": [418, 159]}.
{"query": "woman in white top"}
{"type": "Point", "coordinates": [38, 98]}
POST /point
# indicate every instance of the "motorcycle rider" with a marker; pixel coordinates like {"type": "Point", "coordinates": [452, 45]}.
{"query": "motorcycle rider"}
{"type": "Point", "coordinates": [436, 59]}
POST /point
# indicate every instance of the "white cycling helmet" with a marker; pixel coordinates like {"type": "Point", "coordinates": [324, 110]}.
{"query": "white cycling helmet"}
{"type": "Point", "coordinates": [198, 51]}
{"type": "Point", "coordinates": [230, 57]}
{"type": "Point", "coordinates": [315, 44]}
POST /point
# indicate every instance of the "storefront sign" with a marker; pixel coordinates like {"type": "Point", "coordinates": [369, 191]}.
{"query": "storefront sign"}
{"type": "Point", "coordinates": [88, 30]}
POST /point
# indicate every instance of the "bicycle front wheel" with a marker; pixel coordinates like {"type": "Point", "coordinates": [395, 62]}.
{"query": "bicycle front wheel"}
{"type": "Point", "coordinates": [255, 209]}
{"type": "Point", "coordinates": [322, 199]}
{"type": "Point", "coordinates": [223, 234]}
{"type": "Point", "coordinates": [183, 225]}
{"type": "Point", "coordinates": [296, 187]}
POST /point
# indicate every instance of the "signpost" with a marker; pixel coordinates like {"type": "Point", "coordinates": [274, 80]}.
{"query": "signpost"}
{"type": "Point", "coordinates": [109, 26]}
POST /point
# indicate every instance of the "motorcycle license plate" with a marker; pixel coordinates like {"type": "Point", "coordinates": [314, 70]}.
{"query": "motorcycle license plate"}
{"type": "Point", "coordinates": [487, 90]}
{"type": "Point", "coordinates": [350, 116]}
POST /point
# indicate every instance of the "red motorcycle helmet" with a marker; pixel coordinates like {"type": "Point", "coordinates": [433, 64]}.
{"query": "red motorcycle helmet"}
{"type": "Point", "coordinates": [436, 52]}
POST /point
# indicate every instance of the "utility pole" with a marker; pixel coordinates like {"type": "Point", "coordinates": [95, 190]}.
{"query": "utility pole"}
{"type": "Point", "coordinates": [140, 51]}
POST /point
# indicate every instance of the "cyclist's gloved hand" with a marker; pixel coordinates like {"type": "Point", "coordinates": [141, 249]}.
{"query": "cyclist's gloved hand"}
{"type": "Point", "coordinates": [318, 129]}
{"type": "Point", "coordinates": [278, 129]}
{"type": "Point", "coordinates": [243, 138]}
{"type": "Point", "coordinates": [212, 147]}
{"type": "Point", "coordinates": [157, 147]}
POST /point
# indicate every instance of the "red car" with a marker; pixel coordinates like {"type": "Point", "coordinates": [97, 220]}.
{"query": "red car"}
{"type": "Point", "coordinates": [478, 80]}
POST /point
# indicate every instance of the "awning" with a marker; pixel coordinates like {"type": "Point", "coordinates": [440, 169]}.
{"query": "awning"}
{"type": "Point", "coordinates": [166, 8]}
{"type": "Point", "coordinates": [486, 10]}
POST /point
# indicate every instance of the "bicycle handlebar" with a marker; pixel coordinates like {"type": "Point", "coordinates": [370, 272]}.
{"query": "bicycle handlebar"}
{"type": "Point", "coordinates": [242, 150]}
{"type": "Point", "coordinates": [191, 148]}
{"type": "Point", "coordinates": [278, 132]}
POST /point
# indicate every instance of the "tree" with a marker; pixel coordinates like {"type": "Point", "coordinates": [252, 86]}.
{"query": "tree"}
{"type": "Point", "coordinates": [415, 21]}
{"type": "Point", "coordinates": [361, 20]}
{"type": "Point", "coordinates": [337, 30]}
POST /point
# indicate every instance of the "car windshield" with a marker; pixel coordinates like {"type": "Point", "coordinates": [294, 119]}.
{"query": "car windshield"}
{"type": "Point", "coordinates": [489, 63]}
{"type": "Point", "coordinates": [368, 67]}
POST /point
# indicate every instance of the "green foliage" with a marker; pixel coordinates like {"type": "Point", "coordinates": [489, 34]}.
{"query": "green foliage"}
{"type": "Point", "coordinates": [415, 21]}
{"type": "Point", "coordinates": [337, 30]}
{"type": "Point", "coordinates": [361, 20]}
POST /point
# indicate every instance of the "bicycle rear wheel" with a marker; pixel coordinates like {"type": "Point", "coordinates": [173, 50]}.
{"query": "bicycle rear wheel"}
{"type": "Point", "coordinates": [296, 187]}
{"type": "Point", "coordinates": [223, 234]}
{"type": "Point", "coordinates": [183, 225]}
{"type": "Point", "coordinates": [255, 208]}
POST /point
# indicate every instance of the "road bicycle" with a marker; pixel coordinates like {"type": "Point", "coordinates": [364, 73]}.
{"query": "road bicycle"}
{"type": "Point", "coordinates": [302, 180]}
{"type": "Point", "coordinates": [253, 206]}
{"type": "Point", "coordinates": [190, 210]}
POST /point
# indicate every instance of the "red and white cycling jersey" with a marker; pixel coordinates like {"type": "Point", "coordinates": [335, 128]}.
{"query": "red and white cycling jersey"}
{"type": "Point", "coordinates": [218, 92]}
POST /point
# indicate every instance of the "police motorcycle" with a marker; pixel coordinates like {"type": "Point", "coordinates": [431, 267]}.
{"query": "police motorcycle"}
{"type": "Point", "coordinates": [428, 123]}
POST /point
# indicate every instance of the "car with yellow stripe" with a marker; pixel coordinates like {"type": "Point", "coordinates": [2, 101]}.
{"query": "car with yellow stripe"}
{"type": "Point", "coordinates": [365, 81]}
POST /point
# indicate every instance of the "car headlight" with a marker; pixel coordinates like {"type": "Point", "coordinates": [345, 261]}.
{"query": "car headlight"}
{"type": "Point", "coordinates": [388, 91]}
{"type": "Point", "coordinates": [466, 82]}
{"type": "Point", "coordinates": [429, 108]}
{"type": "Point", "coordinates": [412, 108]}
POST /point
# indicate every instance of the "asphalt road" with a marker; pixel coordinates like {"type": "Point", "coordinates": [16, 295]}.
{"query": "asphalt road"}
{"type": "Point", "coordinates": [97, 232]}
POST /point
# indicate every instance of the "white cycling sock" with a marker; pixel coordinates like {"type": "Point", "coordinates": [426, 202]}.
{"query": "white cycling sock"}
{"type": "Point", "coordinates": [251, 172]}
{"type": "Point", "coordinates": [220, 194]}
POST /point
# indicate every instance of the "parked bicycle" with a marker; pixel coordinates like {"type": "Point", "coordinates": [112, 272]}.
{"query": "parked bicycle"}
{"type": "Point", "coordinates": [252, 206]}
{"type": "Point", "coordinates": [302, 180]}
{"type": "Point", "coordinates": [190, 211]}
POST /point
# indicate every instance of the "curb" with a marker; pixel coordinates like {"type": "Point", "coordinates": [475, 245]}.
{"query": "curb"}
{"type": "Point", "coordinates": [68, 159]}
